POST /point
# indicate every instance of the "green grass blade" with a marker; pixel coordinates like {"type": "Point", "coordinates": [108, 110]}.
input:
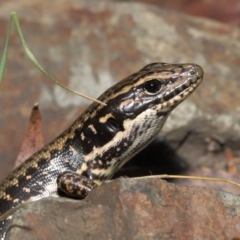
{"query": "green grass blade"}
{"type": "Point", "coordinates": [5, 52]}
{"type": "Point", "coordinates": [14, 18]}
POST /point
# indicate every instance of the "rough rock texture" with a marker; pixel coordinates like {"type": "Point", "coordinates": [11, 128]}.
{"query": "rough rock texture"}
{"type": "Point", "coordinates": [137, 209]}
{"type": "Point", "coordinates": [88, 45]}
{"type": "Point", "coordinates": [223, 10]}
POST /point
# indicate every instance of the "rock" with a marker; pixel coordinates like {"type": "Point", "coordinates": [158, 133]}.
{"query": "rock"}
{"type": "Point", "coordinates": [132, 209]}
{"type": "Point", "coordinates": [226, 12]}
{"type": "Point", "coordinates": [90, 46]}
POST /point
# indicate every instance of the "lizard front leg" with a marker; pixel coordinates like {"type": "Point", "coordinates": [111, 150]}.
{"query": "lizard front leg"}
{"type": "Point", "coordinates": [75, 185]}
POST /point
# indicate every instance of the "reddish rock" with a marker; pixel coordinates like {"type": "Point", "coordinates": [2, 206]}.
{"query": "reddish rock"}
{"type": "Point", "coordinates": [90, 46]}
{"type": "Point", "coordinates": [132, 209]}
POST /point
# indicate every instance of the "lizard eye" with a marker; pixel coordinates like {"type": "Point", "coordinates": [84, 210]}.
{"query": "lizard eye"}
{"type": "Point", "coordinates": [153, 86]}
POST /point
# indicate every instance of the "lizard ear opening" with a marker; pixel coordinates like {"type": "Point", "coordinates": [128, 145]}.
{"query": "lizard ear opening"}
{"type": "Point", "coordinates": [114, 125]}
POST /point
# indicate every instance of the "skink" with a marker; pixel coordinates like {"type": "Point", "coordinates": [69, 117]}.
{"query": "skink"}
{"type": "Point", "coordinates": [103, 138]}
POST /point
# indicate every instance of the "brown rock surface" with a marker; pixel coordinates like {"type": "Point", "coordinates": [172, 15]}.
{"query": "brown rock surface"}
{"type": "Point", "coordinates": [222, 10]}
{"type": "Point", "coordinates": [137, 209]}
{"type": "Point", "coordinates": [89, 46]}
